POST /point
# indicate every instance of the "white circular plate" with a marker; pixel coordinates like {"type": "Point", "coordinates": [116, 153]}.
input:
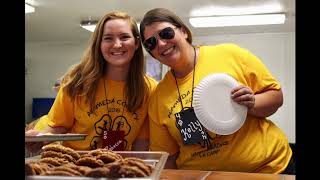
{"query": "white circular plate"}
{"type": "Point", "coordinates": [214, 107]}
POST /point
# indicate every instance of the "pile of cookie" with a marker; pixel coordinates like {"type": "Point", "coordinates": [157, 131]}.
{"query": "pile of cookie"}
{"type": "Point", "coordinates": [58, 160]}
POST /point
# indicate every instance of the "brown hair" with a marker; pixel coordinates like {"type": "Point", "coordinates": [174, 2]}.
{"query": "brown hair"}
{"type": "Point", "coordinates": [82, 79]}
{"type": "Point", "coordinates": [163, 15]}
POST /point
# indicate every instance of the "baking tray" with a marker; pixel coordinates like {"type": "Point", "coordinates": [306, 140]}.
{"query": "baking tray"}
{"type": "Point", "coordinates": [156, 159]}
{"type": "Point", "coordinates": [55, 137]}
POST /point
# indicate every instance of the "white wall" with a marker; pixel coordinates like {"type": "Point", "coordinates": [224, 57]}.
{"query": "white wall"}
{"type": "Point", "coordinates": [45, 62]}
{"type": "Point", "coordinates": [48, 61]}
{"type": "Point", "coordinates": [277, 51]}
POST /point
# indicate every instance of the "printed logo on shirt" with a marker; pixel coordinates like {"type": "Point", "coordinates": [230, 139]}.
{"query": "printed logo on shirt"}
{"type": "Point", "coordinates": [119, 124]}
{"type": "Point", "coordinates": [176, 104]}
{"type": "Point", "coordinates": [112, 102]}
{"type": "Point", "coordinates": [113, 140]}
{"type": "Point", "coordinates": [107, 124]}
{"type": "Point", "coordinates": [212, 146]}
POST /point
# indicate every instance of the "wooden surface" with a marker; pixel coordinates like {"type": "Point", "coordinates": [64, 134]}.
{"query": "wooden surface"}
{"type": "Point", "coordinates": [215, 175]}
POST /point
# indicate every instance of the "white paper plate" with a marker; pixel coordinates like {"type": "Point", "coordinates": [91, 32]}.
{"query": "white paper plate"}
{"type": "Point", "coordinates": [214, 107]}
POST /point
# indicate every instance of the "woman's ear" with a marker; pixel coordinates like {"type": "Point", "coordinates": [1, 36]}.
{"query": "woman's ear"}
{"type": "Point", "coordinates": [137, 42]}
{"type": "Point", "coordinates": [184, 32]}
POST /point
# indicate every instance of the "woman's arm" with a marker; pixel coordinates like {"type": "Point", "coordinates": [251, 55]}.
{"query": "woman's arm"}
{"type": "Point", "coordinates": [267, 103]}
{"type": "Point", "coordinates": [171, 161]}
{"type": "Point", "coordinates": [260, 105]}
{"type": "Point", "coordinates": [35, 147]}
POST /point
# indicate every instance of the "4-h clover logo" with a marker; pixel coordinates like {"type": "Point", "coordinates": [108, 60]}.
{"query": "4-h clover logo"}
{"type": "Point", "coordinates": [120, 123]}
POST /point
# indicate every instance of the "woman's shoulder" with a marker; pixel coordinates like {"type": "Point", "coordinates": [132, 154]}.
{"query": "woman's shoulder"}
{"type": "Point", "coordinates": [149, 78]}
{"type": "Point", "coordinates": [222, 47]}
{"type": "Point", "coordinates": [229, 49]}
{"type": "Point", "coordinates": [151, 81]}
{"type": "Point", "coordinates": [165, 85]}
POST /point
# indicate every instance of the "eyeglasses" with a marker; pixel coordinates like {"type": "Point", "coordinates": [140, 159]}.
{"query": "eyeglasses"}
{"type": "Point", "coordinates": [151, 43]}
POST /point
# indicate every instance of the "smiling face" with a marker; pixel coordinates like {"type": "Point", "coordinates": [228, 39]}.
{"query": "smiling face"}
{"type": "Point", "coordinates": [167, 51]}
{"type": "Point", "coordinates": [118, 44]}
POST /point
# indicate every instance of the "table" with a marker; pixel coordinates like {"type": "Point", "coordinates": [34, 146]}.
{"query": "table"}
{"type": "Point", "coordinates": [169, 174]}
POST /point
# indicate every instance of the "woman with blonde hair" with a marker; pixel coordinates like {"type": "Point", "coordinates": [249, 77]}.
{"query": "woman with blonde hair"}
{"type": "Point", "coordinates": [107, 93]}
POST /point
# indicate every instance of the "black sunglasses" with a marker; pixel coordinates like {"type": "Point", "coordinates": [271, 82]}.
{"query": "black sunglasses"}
{"type": "Point", "coordinates": [166, 33]}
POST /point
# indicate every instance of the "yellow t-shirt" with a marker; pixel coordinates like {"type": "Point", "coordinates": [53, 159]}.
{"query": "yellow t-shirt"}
{"type": "Point", "coordinates": [79, 119]}
{"type": "Point", "coordinates": [259, 145]}
{"type": "Point", "coordinates": [42, 123]}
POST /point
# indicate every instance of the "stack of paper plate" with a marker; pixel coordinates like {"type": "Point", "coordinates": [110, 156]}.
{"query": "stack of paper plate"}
{"type": "Point", "coordinates": [214, 107]}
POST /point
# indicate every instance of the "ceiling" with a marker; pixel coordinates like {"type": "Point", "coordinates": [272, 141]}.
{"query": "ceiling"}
{"type": "Point", "coordinates": [59, 20]}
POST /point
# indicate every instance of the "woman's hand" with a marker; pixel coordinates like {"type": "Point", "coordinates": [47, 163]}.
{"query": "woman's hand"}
{"type": "Point", "coordinates": [243, 95]}
{"type": "Point", "coordinates": [262, 104]}
{"type": "Point", "coordinates": [34, 147]}
{"type": "Point", "coordinates": [171, 161]}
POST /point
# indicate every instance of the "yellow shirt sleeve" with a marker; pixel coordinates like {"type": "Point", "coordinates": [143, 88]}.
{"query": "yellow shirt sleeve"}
{"type": "Point", "coordinates": [61, 113]}
{"type": "Point", "coordinates": [257, 75]}
{"type": "Point", "coordinates": [144, 130]}
{"type": "Point", "coordinates": [42, 123]}
{"type": "Point", "coordinates": [160, 138]}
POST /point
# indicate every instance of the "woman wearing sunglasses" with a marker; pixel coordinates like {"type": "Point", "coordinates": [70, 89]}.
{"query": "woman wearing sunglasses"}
{"type": "Point", "coordinates": [106, 94]}
{"type": "Point", "coordinates": [259, 146]}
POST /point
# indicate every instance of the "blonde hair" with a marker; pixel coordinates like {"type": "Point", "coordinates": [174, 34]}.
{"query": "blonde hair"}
{"type": "Point", "coordinates": [82, 79]}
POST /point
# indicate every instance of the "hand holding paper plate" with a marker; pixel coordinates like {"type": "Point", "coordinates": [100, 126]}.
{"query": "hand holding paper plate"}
{"type": "Point", "coordinates": [214, 107]}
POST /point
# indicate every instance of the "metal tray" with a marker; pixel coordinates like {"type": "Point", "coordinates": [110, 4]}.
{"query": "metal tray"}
{"type": "Point", "coordinates": [156, 159]}
{"type": "Point", "coordinates": [55, 137]}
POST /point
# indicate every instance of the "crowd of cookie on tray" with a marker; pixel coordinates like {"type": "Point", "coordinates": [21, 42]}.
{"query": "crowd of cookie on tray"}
{"type": "Point", "coordinates": [58, 160]}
